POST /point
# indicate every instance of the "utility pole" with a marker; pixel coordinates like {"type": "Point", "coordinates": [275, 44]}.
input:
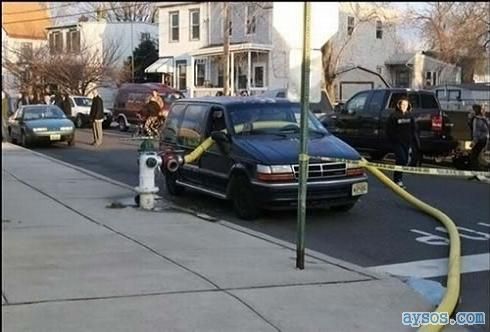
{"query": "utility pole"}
{"type": "Point", "coordinates": [303, 154]}
{"type": "Point", "coordinates": [226, 48]}
{"type": "Point", "coordinates": [132, 54]}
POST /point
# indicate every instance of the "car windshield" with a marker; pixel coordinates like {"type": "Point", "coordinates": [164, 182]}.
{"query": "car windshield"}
{"type": "Point", "coordinates": [83, 101]}
{"type": "Point", "coordinates": [278, 119]}
{"type": "Point", "coordinates": [36, 113]}
{"type": "Point", "coordinates": [171, 97]}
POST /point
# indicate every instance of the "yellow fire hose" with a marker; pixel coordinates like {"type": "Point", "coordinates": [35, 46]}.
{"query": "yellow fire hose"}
{"type": "Point", "coordinates": [451, 297]}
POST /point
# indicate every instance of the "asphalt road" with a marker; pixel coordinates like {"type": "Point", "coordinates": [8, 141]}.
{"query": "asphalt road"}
{"type": "Point", "coordinates": [380, 230]}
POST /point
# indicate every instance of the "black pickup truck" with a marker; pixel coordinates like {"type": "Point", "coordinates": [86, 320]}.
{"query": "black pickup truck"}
{"type": "Point", "coordinates": [361, 122]}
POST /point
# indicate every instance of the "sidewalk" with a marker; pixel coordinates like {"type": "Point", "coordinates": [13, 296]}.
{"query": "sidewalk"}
{"type": "Point", "coordinates": [70, 263]}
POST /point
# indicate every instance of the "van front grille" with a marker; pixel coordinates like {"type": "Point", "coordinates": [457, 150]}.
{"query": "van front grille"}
{"type": "Point", "coordinates": [323, 170]}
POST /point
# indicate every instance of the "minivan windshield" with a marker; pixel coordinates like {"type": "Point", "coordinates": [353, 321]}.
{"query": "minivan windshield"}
{"type": "Point", "coordinates": [278, 119]}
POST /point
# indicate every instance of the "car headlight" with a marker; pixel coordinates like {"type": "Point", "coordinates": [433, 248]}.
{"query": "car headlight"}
{"type": "Point", "coordinates": [275, 173]}
{"type": "Point", "coordinates": [66, 128]}
{"type": "Point", "coordinates": [39, 129]}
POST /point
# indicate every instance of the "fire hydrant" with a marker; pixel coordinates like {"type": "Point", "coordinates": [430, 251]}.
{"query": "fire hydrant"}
{"type": "Point", "coordinates": [149, 160]}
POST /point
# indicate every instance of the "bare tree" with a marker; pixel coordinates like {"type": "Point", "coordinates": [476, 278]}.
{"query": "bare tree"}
{"type": "Point", "coordinates": [75, 73]}
{"type": "Point", "coordinates": [334, 48]}
{"type": "Point", "coordinates": [457, 32]}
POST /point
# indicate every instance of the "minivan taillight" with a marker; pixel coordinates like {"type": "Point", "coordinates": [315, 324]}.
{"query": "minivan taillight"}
{"type": "Point", "coordinates": [437, 122]}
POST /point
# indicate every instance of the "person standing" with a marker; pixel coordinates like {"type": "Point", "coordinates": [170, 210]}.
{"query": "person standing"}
{"type": "Point", "coordinates": [5, 114]}
{"type": "Point", "coordinates": [401, 130]}
{"type": "Point", "coordinates": [97, 117]}
{"type": "Point", "coordinates": [480, 135]}
{"type": "Point", "coordinates": [23, 100]}
{"type": "Point", "coordinates": [66, 105]}
{"type": "Point", "coordinates": [58, 100]}
{"type": "Point", "coordinates": [156, 98]}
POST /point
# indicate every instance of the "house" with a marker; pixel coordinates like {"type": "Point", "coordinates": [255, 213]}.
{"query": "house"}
{"type": "Point", "coordinates": [418, 70]}
{"type": "Point", "coordinates": [23, 29]}
{"type": "Point", "coordinates": [365, 39]}
{"type": "Point", "coordinates": [99, 38]}
{"type": "Point", "coordinates": [191, 47]}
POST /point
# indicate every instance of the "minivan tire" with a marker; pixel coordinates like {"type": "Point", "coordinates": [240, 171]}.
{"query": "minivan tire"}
{"type": "Point", "coordinates": [170, 183]}
{"type": "Point", "coordinates": [122, 124]}
{"type": "Point", "coordinates": [243, 198]}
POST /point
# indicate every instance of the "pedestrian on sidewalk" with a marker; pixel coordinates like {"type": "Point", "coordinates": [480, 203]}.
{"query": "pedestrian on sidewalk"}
{"type": "Point", "coordinates": [480, 135]}
{"type": "Point", "coordinates": [66, 105]}
{"type": "Point", "coordinates": [96, 118]}
{"type": "Point", "coordinates": [5, 115]}
{"type": "Point", "coordinates": [401, 130]}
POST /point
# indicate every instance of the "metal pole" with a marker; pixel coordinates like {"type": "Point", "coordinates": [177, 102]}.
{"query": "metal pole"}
{"type": "Point", "coordinates": [226, 49]}
{"type": "Point", "coordinates": [303, 155]}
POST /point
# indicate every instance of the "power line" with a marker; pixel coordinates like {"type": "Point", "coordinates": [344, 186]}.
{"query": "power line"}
{"type": "Point", "coordinates": [71, 15]}
{"type": "Point", "coordinates": [37, 10]}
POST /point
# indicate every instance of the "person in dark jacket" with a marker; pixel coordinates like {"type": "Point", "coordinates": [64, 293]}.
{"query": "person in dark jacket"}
{"type": "Point", "coordinates": [401, 130]}
{"type": "Point", "coordinates": [58, 100]}
{"type": "Point", "coordinates": [66, 105]}
{"type": "Point", "coordinates": [97, 117]}
{"type": "Point", "coordinates": [480, 135]}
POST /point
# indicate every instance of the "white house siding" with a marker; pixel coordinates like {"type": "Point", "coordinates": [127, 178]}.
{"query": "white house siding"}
{"type": "Point", "coordinates": [446, 73]}
{"type": "Point", "coordinates": [9, 48]}
{"type": "Point", "coordinates": [353, 81]}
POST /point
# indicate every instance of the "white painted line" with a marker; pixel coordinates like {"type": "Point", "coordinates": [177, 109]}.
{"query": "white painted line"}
{"type": "Point", "coordinates": [435, 267]}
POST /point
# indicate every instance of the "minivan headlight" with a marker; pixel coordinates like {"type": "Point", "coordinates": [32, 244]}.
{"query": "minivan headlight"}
{"type": "Point", "coordinates": [66, 128]}
{"type": "Point", "coordinates": [275, 173]}
{"type": "Point", "coordinates": [354, 169]}
{"type": "Point", "coordinates": [36, 130]}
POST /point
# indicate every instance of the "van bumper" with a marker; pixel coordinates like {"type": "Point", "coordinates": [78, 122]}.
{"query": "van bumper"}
{"type": "Point", "coordinates": [319, 193]}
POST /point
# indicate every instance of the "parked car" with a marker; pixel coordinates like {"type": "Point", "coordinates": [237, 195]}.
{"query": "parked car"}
{"type": "Point", "coordinates": [254, 162]}
{"type": "Point", "coordinates": [40, 123]}
{"type": "Point", "coordinates": [80, 111]}
{"type": "Point", "coordinates": [131, 97]}
{"type": "Point", "coordinates": [361, 122]}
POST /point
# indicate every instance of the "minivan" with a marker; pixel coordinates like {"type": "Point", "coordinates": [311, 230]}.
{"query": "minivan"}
{"type": "Point", "coordinates": [131, 98]}
{"type": "Point", "coordinates": [254, 160]}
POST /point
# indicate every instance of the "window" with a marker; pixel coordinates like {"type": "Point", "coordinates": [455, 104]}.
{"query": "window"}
{"type": "Point", "coordinates": [350, 25]}
{"type": "Point", "coordinates": [181, 74]}
{"type": "Point", "coordinates": [412, 97]}
{"type": "Point", "coordinates": [194, 24]}
{"type": "Point", "coordinates": [377, 102]}
{"type": "Point", "coordinates": [199, 72]}
{"type": "Point", "coordinates": [428, 101]}
{"type": "Point", "coordinates": [379, 30]}
{"type": "Point", "coordinates": [145, 36]}
{"type": "Point", "coordinates": [356, 104]}
{"type": "Point", "coordinates": [402, 79]}
{"type": "Point", "coordinates": [172, 124]}
{"type": "Point", "coordinates": [174, 26]}
{"type": "Point", "coordinates": [258, 77]}
{"type": "Point", "coordinates": [251, 19]}
{"type": "Point", "coordinates": [73, 41]}
{"type": "Point", "coordinates": [26, 50]}
{"type": "Point", "coordinates": [430, 78]}
{"type": "Point", "coordinates": [192, 126]}
{"type": "Point", "coordinates": [230, 27]}
{"type": "Point", "coordinates": [55, 42]}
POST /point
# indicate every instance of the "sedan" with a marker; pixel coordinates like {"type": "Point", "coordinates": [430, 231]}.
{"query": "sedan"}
{"type": "Point", "coordinates": [40, 123]}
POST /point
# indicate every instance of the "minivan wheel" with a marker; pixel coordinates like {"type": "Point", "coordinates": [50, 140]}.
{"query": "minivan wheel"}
{"type": "Point", "coordinates": [79, 121]}
{"type": "Point", "coordinates": [172, 187]}
{"type": "Point", "coordinates": [243, 198]}
{"type": "Point", "coordinates": [122, 124]}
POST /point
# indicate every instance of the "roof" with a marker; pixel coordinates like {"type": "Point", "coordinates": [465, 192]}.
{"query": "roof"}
{"type": "Point", "coordinates": [238, 100]}
{"type": "Point", "coordinates": [32, 19]}
{"type": "Point", "coordinates": [399, 58]}
{"type": "Point", "coordinates": [162, 65]}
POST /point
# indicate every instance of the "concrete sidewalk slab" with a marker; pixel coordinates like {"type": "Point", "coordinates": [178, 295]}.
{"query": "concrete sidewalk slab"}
{"type": "Point", "coordinates": [85, 267]}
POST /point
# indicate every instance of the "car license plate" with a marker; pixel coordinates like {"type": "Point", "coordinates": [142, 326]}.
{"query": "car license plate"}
{"type": "Point", "coordinates": [55, 137]}
{"type": "Point", "coordinates": [360, 188]}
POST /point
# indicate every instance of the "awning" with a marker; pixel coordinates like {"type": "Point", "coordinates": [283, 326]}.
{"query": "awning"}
{"type": "Point", "coordinates": [218, 50]}
{"type": "Point", "coordinates": [162, 65]}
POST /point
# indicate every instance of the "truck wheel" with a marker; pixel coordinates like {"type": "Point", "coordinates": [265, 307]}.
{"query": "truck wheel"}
{"type": "Point", "coordinates": [243, 198]}
{"type": "Point", "coordinates": [172, 187]}
{"type": "Point", "coordinates": [79, 121]}
{"type": "Point", "coordinates": [122, 124]}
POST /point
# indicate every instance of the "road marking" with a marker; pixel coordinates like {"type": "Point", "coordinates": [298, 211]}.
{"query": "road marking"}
{"type": "Point", "coordinates": [431, 268]}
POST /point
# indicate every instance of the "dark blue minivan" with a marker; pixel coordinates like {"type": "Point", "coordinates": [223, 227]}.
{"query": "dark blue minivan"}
{"type": "Point", "coordinates": [254, 161]}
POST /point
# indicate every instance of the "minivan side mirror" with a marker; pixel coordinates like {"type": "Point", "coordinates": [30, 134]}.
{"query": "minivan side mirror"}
{"type": "Point", "coordinates": [339, 108]}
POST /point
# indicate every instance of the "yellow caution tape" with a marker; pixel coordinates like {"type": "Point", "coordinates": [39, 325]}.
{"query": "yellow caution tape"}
{"type": "Point", "coordinates": [409, 169]}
